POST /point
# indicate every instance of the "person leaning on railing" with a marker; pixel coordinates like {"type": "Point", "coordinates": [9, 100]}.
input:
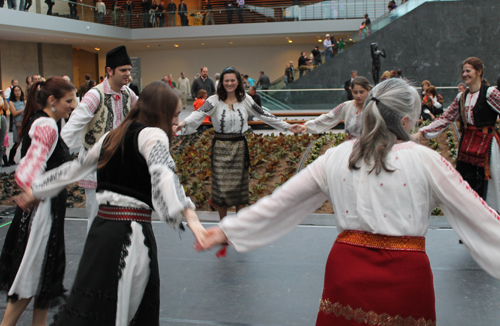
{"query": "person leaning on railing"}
{"type": "Point", "coordinates": [209, 16]}
{"type": "Point", "coordinates": [101, 11]}
{"type": "Point", "coordinates": [129, 10]}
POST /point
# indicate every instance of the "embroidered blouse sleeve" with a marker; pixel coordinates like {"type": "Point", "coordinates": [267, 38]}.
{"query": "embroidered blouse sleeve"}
{"type": "Point", "coordinates": [493, 98]}
{"type": "Point", "coordinates": [52, 182]}
{"type": "Point", "coordinates": [275, 215]}
{"type": "Point", "coordinates": [81, 116]}
{"type": "Point", "coordinates": [328, 120]}
{"type": "Point", "coordinates": [195, 119]}
{"type": "Point", "coordinates": [168, 196]}
{"type": "Point", "coordinates": [43, 134]}
{"type": "Point", "coordinates": [133, 97]}
{"type": "Point", "coordinates": [440, 124]}
{"type": "Point", "coordinates": [256, 110]}
{"type": "Point", "coordinates": [473, 220]}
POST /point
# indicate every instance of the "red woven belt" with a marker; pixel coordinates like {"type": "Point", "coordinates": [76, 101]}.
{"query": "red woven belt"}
{"type": "Point", "coordinates": [117, 213]}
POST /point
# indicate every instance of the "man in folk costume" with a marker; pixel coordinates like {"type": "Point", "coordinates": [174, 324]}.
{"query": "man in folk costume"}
{"type": "Point", "coordinates": [101, 110]}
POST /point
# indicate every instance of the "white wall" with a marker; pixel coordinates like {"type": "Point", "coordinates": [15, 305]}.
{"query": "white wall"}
{"type": "Point", "coordinates": [248, 60]}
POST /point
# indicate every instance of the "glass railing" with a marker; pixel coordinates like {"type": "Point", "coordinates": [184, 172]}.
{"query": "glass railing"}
{"type": "Point", "coordinates": [324, 98]}
{"type": "Point", "coordinates": [383, 20]}
{"type": "Point", "coordinates": [122, 16]}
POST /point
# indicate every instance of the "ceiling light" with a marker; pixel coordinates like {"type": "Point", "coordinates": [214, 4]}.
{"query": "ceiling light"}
{"type": "Point", "coordinates": [290, 41]}
{"type": "Point", "coordinates": [320, 40]}
{"type": "Point", "coordinates": [97, 49]}
{"type": "Point", "coordinates": [202, 43]}
{"type": "Point", "coordinates": [230, 42]}
{"type": "Point", "coordinates": [176, 45]}
{"type": "Point", "coordinates": [147, 46]}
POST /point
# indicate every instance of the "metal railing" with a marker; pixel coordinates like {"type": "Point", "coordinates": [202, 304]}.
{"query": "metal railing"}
{"type": "Point", "coordinates": [135, 18]}
{"type": "Point", "coordinates": [322, 99]}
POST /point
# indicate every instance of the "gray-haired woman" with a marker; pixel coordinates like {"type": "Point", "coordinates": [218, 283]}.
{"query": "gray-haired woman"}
{"type": "Point", "coordinates": [377, 268]}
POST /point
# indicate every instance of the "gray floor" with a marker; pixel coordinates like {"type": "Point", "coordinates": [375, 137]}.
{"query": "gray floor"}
{"type": "Point", "coordinates": [281, 284]}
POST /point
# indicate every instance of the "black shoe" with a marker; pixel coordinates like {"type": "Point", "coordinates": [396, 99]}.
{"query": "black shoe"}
{"type": "Point", "coordinates": [460, 241]}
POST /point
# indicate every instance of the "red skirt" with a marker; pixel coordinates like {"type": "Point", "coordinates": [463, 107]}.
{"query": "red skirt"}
{"type": "Point", "coordinates": [375, 279]}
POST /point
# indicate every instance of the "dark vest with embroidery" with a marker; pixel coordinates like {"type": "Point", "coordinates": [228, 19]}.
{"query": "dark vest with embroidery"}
{"type": "Point", "coordinates": [102, 122]}
{"type": "Point", "coordinates": [127, 171]}
{"type": "Point", "coordinates": [483, 114]}
{"type": "Point", "coordinates": [60, 154]}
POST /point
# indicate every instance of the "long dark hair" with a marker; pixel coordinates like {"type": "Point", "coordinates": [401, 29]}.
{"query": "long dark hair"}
{"type": "Point", "coordinates": [240, 89]}
{"type": "Point", "coordinates": [37, 99]}
{"type": "Point", "coordinates": [12, 97]}
{"type": "Point", "coordinates": [155, 108]}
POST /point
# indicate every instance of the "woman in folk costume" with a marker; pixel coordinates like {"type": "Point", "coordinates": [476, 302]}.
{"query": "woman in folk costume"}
{"type": "Point", "coordinates": [33, 258]}
{"type": "Point", "coordinates": [229, 111]}
{"type": "Point", "coordinates": [478, 159]}
{"type": "Point", "coordinates": [117, 282]}
{"type": "Point", "coordinates": [101, 110]}
{"type": "Point", "coordinates": [377, 271]}
{"type": "Point", "coordinates": [349, 111]}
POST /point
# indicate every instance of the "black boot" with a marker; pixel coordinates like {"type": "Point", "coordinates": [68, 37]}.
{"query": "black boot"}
{"type": "Point", "coordinates": [12, 154]}
{"type": "Point", "coordinates": [5, 160]}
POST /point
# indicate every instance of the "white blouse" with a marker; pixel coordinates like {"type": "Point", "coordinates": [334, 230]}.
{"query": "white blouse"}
{"type": "Point", "coordinates": [453, 111]}
{"type": "Point", "coordinates": [168, 194]}
{"type": "Point", "coordinates": [393, 203]}
{"type": "Point", "coordinates": [227, 121]}
{"type": "Point", "coordinates": [346, 111]}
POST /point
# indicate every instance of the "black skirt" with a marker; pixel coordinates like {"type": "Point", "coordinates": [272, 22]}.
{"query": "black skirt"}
{"type": "Point", "coordinates": [50, 288]}
{"type": "Point", "coordinates": [94, 296]}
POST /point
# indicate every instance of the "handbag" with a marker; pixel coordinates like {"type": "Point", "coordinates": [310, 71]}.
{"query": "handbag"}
{"type": "Point", "coordinates": [475, 146]}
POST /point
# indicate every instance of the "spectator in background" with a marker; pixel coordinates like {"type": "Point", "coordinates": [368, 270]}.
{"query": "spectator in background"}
{"type": "Point", "coordinates": [386, 75]}
{"type": "Point", "coordinates": [73, 10]}
{"type": "Point", "coordinates": [249, 80]}
{"type": "Point", "coordinates": [462, 87]}
{"type": "Point", "coordinates": [116, 7]}
{"type": "Point", "coordinates": [16, 107]}
{"type": "Point", "coordinates": [184, 86]}
{"type": "Point", "coordinates": [171, 9]}
{"type": "Point", "coordinates": [7, 91]}
{"type": "Point", "coordinates": [399, 72]}
{"type": "Point", "coordinates": [84, 88]}
{"type": "Point", "coordinates": [303, 61]}
{"type": "Point", "coordinates": [239, 9]}
{"type": "Point", "coordinates": [171, 82]}
{"type": "Point", "coordinates": [146, 6]}
{"type": "Point", "coordinates": [203, 82]}
{"type": "Point", "coordinates": [229, 10]}
{"type": "Point", "coordinates": [27, 6]}
{"type": "Point", "coordinates": [4, 105]}
{"type": "Point", "coordinates": [316, 56]}
{"type": "Point", "coordinates": [335, 46]}
{"type": "Point", "coordinates": [198, 103]}
{"type": "Point", "coordinates": [347, 85]}
{"type": "Point", "coordinates": [12, 4]}
{"type": "Point", "coordinates": [101, 11]}
{"type": "Point", "coordinates": [209, 15]}
{"type": "Point", "coordinates": [362, 31]}
{"type": "Point", "coordinates": [153, 15]}
{"type": "Point", "coordinates": [432, 102]}
{"type": "Point", "coordinates": [392, 5]}
{"type": "Point", "coordinates": [101, 79]}
{"type": "Point", "coordinates": [341, 44]}
{"type": "Point", "coordinates": [425, 84]}
{"type": "Point", "coordinates": [217, 78]}
{"type": "Point", "coordinates": [394, 74]}
{"type": "Point", "coordinates": [288, 77]}
{"type": "Point", "coordinates": [252, 91]}
{"type": "Point", "coordinates": [264, 81]}
{"type": "Point", "coordinates": [498, 82]}
{"type": "Point", "coordinates": [327, 43]}
{"type": "Point", "coordinates": [129, 10]}
{"type": "Point", "coordinates": [161, 14]}
{"type": "Point", "coordinates": [28, 83]}
{"type": "Point", "coordinates": [182, 11]}
{"type": "Point", "coordinates": [368, 21]}
{"type": "Point", "coordinates": [50, 4]}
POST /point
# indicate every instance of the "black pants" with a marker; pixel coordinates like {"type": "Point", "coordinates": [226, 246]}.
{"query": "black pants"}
{"type": "Point", "coordinates": [73, 12]}
{"type": "Point", "coordinates": [27, 6]}
{"type": "Point", "coordinates": [49, 11]}
{"type": "Point", "coordinates": [229, 15]}
{"type": "Point", "coordinates": [239, 12]}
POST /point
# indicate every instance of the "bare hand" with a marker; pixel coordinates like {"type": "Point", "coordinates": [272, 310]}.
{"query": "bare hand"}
{"type": "Point", "coordinates": [215, 236]}
{"type": "Point", "coordinates": [416, 137]}
{"type": "Point", "coordinates": [298, 129]}
{"type": "Point", "coordinates": [25, 200]}
{"type": "Point", "coordinates": [179, 127]}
